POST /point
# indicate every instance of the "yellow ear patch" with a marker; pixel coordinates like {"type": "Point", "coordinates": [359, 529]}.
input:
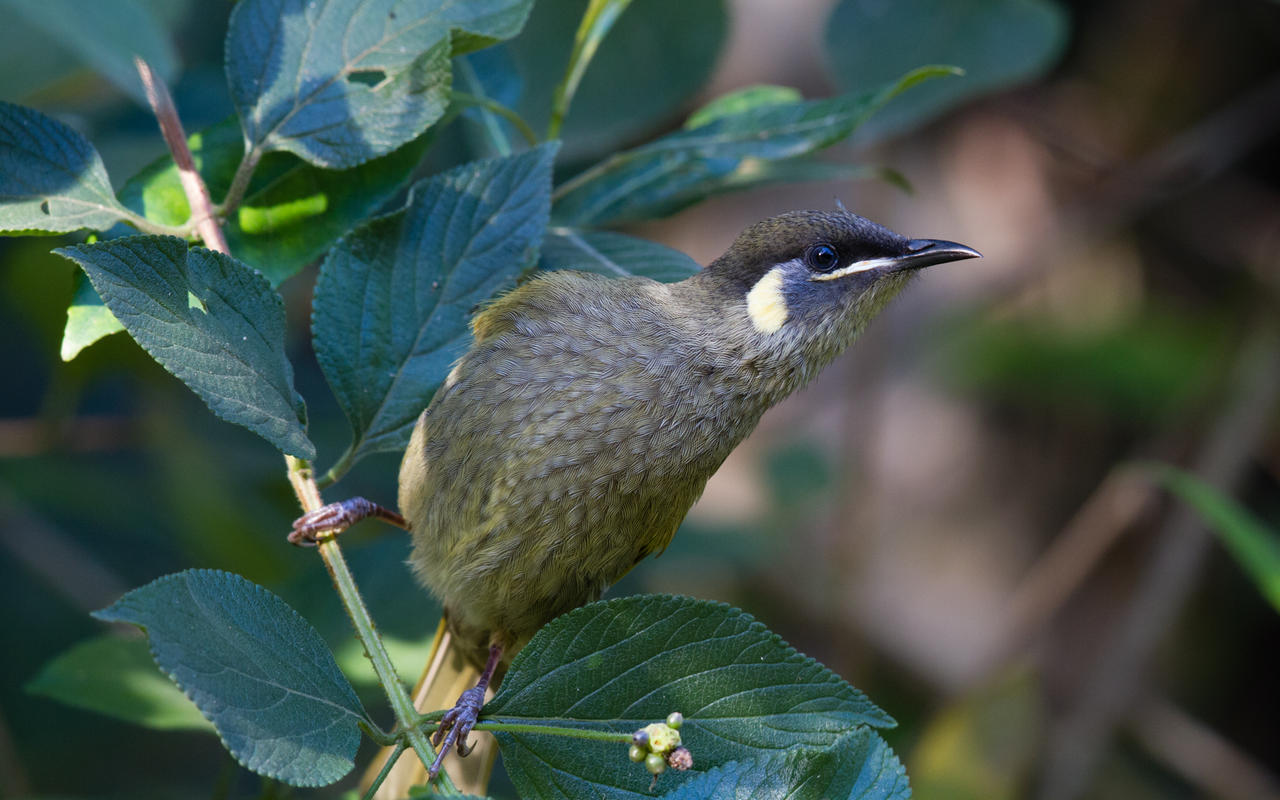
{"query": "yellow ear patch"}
{"type": "Point", "coordinates": [766, 304]}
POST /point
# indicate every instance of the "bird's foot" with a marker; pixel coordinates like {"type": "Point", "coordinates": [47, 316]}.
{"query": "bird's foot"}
{"type": "Point", "coordinates": [456, 726]}
{"type": "Point", "coordinates": [326, 522]}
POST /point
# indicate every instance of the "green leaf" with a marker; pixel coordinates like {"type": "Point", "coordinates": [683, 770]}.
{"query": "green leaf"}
{"type": "Point", "coordinates": [613, 254]}
{"type": "Point", "coordinates": [88, 320]}
{"type": "Point", "coordinates": [998, 43]}
{"type": "Point", "coordinates": [678, 170]}
{"type": "Point", "coordinates": [258, 671]}
{"type": "Point", "coordinates": [393, 298]}
{"type": "Point", "coordinates": [106, 34]}
{"type": "Point", "coordinates": [744, 99]}
{"type": "Point", "coordinates": [859, 766]}
{"type": "Point", "coordinates": [292, 213]}
{"type": "Point", "coordinates": [211, 321]}
{"type": "Point", "coordinates": [51, 178]}
{"type": "Point", "coordinates": [116, 676]}
{"type": "Point", "coordinates": [338, 82]}
{"type": "Point", "coordinates": [618, 665]}
{"type": "Point", "coordinates": [1255, 546]}
{"type": "Point", "coordinates": [655, 59]}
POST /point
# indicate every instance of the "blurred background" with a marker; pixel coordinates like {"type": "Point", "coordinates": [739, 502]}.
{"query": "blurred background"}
{"type": "Point", "coordinates": [960, 516]}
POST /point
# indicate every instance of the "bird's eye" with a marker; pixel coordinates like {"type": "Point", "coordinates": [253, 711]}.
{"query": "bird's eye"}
{"type": "Point", "coordinates": [821, 257]}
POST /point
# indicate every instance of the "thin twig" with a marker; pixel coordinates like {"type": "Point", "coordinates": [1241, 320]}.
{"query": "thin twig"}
{"type": "Point", "coordinates": [301, 476]}
{"type": "Point", "coordinates": [1112, 509]}
{"type": "Point", "coordinates": [1200, 754]}
{"type": "Point", "coordinates": [202, 215]}
{"type": "Point", "coordinates": [1080, 739]}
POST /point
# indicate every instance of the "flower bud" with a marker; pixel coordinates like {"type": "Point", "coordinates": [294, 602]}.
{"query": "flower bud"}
{"type": "Point", "coordinates": [680, 758]}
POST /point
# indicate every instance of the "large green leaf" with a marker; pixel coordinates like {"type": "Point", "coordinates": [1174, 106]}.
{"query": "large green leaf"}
{"type": "Point", "coordinates": [51, 178]}
{"type": "Point", "coordinates": [339, 82]}
{"type": "Point", "coordinates": [256, 669]}
{"type": "Point", "coordinates": [106, 34]}
{"type": "Point", "coordinates": [618, 665]}
{"type": "Point", "coordinates": [859, 766]}
{"type": "Point", "coordinates": [292, 213]}
{"type": "Point", "coordinates": [1255, 546]}
{"type": "Point", "coordinates": [613, 254]}
{"type": "Point", "coordinates": [393, 298]}
{"type": "Point", "coordinates": [116, 676]}
{"type": "Point", "coordinates": [728, 152]}
{"type": "Point", "coordinates": [998, 43]}
{"type": "Point", "coordinates": [654, 60]}
{"type": "Point", "coordinates": [211, 321]}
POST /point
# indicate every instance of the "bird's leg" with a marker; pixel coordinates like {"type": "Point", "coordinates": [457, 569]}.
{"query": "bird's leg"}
{"type": "Point", "coordinates": [459, 720]}
{"type": "Point", "coordinates": [337, 517]}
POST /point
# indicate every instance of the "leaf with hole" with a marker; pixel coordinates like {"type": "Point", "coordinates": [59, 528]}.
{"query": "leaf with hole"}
{"type": "Point", "coordinates": [338, 82]}
{"type": "Point", "coordinates": [393, 298]}
{"type": "Point", "coordinates": [115, 676]}
{"type": "Point", "coordinates": [258, 671]}
{"type": "Point", "coordinates": [619, 665]}
{"type": "Point", "coordinates": [998, 43]}
{"type": "Point", "coordinates": [732, 151]}
{"type": "Point", "coordinates": [213, 322]}
{"type": "Point", "coordinates": [51, 178]}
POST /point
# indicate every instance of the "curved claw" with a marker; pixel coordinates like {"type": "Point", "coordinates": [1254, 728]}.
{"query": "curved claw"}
{"type": "Point", "coordinates": [328, 521]}
{"type": "Point", "coordinates": [455, 727]}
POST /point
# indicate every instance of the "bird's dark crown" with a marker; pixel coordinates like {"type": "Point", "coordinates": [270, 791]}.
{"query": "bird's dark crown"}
{"type": "Point", "coordinates": [789, 236]}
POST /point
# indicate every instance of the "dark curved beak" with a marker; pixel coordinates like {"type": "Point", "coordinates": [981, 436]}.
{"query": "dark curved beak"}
{"type": "Point", "coordinates": [927, 252]}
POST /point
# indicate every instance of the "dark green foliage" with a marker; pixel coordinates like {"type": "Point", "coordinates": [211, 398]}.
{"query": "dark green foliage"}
{"type": "Point", "coordinates": [614, 254]}
{"type": "Point", "coordinates": [211, 321]}
{"type": "Point", "coordinates": [998, 43]}
{"type": "Point", "coordinates": [258, 671]}
{"type": "Point", "coordinates": [394, 299]}
{"type": "Point", "coordinates": [618, 665]}
{"type": "Point", "coordinates": [51, 179]}
{"type": "Point", "coordinates": [338, 82]}
{"type": "Point", "coordinates": [724, 153]}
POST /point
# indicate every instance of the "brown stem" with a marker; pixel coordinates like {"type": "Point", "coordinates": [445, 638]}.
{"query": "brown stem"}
{"type": "Point", "coordinates": [202, 215]}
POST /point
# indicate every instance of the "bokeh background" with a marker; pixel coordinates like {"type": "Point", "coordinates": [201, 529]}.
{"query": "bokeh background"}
{"type": "Point", "coordinates": [958, 516]}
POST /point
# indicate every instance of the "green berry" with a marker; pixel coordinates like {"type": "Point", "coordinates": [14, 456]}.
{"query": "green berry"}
{"type": "Point", "coordinates": [638, 753]}
{"type": "Point", "coordinates": [675, 720]}
{"type": "Point", "coordinates": [655, 763]}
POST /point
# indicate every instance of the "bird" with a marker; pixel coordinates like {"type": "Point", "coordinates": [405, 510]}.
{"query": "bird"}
{"type": "Point", "coordinates": [572, 437]}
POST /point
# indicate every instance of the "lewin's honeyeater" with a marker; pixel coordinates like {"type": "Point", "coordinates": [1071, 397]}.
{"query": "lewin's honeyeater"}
{"type": "Point", "coordinates": [571, 439]}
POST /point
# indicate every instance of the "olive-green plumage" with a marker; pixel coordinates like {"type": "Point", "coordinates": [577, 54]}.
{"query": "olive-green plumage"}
{"type": "Point", "coordinates": [585, 420]}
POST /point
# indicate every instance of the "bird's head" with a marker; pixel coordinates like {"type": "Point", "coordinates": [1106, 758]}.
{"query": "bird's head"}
{"type": "Point", "coordinates": [806, 282]}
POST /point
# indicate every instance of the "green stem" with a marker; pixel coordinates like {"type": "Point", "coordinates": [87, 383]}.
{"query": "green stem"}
{"type": "Point", "coordinates": [555, 730]}
{"type": "Point", "coordinates": [338, 469]}
{"type": "Point", "coordinates": [502, 111]}
{"type": "Point", "coordinates": [304, 485]}
{"type": "Point", "coordinates": [147, 226]}
{"type": "Point", "coordinates": [492, 127]}
{"type": "Point", "coordinates": [240, 181]}
{"type": "Point", "coordinates": [596, 22]}
{"type": "Point", "coordinates": [384, 772]}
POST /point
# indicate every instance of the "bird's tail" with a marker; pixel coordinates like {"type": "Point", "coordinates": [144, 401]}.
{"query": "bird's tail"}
{"type": "Point", "coordinates": [448, 674]}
